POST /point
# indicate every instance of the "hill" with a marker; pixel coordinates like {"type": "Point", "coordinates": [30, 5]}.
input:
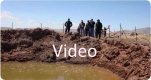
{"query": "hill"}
{"type": "Point", "coordinates": [145, 30]}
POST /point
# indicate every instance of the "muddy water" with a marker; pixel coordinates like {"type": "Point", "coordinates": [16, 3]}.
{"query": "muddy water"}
{"type": "Point", "coordinates": [53, 71]}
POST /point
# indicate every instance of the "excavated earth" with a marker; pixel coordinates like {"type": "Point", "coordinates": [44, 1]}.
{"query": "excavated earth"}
{"type": "Point", "coordinates": [129, 60]}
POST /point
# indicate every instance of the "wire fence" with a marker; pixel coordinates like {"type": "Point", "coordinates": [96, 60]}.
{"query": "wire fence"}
{"type": "Point", "coordinates": [121, 32]}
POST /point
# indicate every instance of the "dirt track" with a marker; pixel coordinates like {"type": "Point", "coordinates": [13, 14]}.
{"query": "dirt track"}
{"type": "Point", "coordinates": [129, 60]}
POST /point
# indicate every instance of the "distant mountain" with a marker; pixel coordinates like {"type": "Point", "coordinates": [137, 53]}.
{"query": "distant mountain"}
{"type": "Point", "coordinates": [5, 28]}
{"type": "Point", "coordinates": [143, 30]}
{"type": "Point", "coordinates": [8, 28]}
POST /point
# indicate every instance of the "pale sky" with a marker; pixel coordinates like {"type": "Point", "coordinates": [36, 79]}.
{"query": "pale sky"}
{"type": "Point", "coordinates": [52, 14]}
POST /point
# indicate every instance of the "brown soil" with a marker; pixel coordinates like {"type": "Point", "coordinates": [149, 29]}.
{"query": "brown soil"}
{"type": "Point", "coordinates": [129, 60]}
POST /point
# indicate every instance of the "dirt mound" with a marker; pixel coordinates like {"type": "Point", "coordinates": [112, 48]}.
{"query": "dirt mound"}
{"type": "Point", "coordinates": [38, 44]}
{"type": "Point", "coordinates": [130, 60]}
{"type": "Point", "coordinates": [12, 39]}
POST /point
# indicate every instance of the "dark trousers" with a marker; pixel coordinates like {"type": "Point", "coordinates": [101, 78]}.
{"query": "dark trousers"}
{"type": "Point", "coordinates": [82, 31]}
{"type": "Point", "coordinates": [104, 33]}
{"type": "Point", "coordinates": [87, 32]}
{"type": "Point", "coordinates": [98, 34]}
{"type": "Point", "coordinates": [67, 30]}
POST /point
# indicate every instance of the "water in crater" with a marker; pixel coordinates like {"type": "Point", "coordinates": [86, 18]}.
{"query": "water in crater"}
{"type": "Point", "coordinates": [53, 71]}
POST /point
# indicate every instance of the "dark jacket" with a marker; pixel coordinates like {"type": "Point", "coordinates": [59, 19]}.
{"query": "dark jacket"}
{"type": "Point", "coordinates": [98, 26]}
{"type": "Point", "coordinates": [81, 25]}
{"type": "Point", "coordinates": [68, 24]}
{"type": "Point", "coordinates": [92, 24]}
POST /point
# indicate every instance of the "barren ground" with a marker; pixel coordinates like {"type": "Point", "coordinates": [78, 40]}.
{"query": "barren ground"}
{"type": "Point", "coordinates": [128, 58]}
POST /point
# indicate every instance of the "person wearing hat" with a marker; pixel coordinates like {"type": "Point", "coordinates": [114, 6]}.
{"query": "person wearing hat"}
{"type": "Point", "coordinates": [91, 29]}
{"type": "Point", "coordinates": [98, 28]}
{"type": "Point", "coordinates": [68, 25]}
{"type": "Point", "coordinates": [81, 26]}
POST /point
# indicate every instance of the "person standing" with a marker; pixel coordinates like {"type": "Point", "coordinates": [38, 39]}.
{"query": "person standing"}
{"type": "Point", "coordinates": [91, 29]}
{"type": "Point", "coordinates": [82, 25]}
{"type": "Point", "coordinates": [87, 28]}
{"type": "Point", "coordinates": [98, 28]}
{"type": "Point", "coordinates": [105, 31]}
{"type": "Point", "coordinates": [68, 25]}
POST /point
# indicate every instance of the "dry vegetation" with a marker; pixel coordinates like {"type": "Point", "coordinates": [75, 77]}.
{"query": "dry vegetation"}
{"type": "Point", "coordinates": [145, 38]}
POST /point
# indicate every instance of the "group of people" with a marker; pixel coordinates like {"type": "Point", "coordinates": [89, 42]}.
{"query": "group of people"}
{"type": "Point", "coordinates": [89, 29]}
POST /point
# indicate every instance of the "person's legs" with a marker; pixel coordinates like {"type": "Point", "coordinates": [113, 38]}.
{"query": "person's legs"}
{"type": "Point", "coordinates": [104, 33]}
{"type": "Point", "coordinates": [96, 34]}
{"type": "Point", "coordinates": [66, 30]}
{"type": "Point", "coordinates": [86, 32]}
{"type": "Point", "coordinates": [99, 34]}
{"type": "Point", "coordinates": [79, 30]}
{"type": "Point", "coordinates": [92, 32]}
{"type": "Point", "coordinates": [82, 31]}
{"type": "Point", "coordinates": [89, 32]}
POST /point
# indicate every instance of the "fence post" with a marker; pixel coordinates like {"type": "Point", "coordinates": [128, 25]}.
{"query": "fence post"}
{"type": "Point", "coordinates": [123, 32]}
{"type": "Point", "coordinates": [135, 33]}
{"type": "Point", "coordinates": [109, 30]}
{"type": "Point", "coordinates": [120, 30]}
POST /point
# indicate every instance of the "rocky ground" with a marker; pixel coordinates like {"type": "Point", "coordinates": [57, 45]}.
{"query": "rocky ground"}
{"type": "Point", "coordinates": [129, 60]}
